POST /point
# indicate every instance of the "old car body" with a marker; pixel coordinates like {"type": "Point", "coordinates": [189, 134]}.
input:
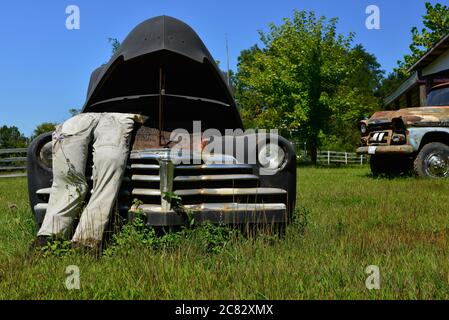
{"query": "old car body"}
{"type": "Point", "coordinates": [163, 70]}
{"type": "Point", "coordinates": [404, 137]}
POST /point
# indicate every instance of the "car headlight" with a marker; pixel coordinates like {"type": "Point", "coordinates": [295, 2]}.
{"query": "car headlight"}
{"type": "Point", "coordinates": [272, 157]}
{"type": "Point", "coordinates": [363, 128]}
{"type": "Point", "coordinates": [46, 155]}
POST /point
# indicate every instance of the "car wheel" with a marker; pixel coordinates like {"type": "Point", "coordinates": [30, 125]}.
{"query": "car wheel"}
{"type": "Point", "coordinates": [433, 161]}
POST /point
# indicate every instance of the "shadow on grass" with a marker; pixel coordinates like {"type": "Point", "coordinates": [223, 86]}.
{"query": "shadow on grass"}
{"type": "Point", "coordinates": [390, 176]}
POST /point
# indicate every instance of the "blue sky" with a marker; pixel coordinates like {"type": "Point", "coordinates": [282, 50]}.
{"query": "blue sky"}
{"type": "Point", "coordinates": [45, 68]}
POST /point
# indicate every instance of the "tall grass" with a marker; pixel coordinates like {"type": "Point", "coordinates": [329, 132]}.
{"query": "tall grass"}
{"type": "Point", "coordinates": [346, 221]}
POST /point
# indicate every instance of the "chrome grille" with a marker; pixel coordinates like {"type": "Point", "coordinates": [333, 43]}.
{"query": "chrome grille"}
{"type": "Point", "coordinates": [223, 187]}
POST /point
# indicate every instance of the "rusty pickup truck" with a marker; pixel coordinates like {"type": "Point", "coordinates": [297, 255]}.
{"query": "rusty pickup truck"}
{"type": "Point", "coordinates": [410, 139]}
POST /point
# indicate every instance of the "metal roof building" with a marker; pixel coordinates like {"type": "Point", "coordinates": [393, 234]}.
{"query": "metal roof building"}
{"type": "Point", "coordinates": [430, 70]}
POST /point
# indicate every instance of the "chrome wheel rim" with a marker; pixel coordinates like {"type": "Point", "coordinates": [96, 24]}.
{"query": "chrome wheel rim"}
{"type": "Point", "coordinates": [437, 165]}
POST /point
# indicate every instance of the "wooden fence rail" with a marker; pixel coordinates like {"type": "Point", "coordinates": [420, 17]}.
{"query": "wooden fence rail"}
{"type": "Point", "coordinates": [13, 163]}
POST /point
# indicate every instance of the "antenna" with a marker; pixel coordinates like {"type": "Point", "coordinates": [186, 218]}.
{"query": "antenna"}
{"type": "Point", "coordinates": [227, 60]}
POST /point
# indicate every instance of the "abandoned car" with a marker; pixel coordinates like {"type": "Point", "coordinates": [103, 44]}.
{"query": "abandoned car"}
{"type": "Point", "coordinates": [410, 139]}
{"type": "Point", "coordinates": [163, 70]}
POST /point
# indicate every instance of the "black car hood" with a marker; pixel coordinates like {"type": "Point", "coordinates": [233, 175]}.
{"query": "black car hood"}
{"type": "Point", "coordinates": [133, 74]}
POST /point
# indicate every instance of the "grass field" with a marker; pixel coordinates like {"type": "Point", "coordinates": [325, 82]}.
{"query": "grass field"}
{"type": "Point", "coordinates": [353, 221]}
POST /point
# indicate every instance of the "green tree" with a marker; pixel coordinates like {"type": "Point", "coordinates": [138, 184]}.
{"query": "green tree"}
{"type": "Point", "coordinates": [11, 137]}
{"type": "Point", "coordinates": [391, 83]}
{"type": "Point", "coordinates": [436, 26]}
{"type": "Point", "coordinates": [44, 128]}
{"type": "Point", "coordinates": [300, 81]}
{"type": "Point", "coordinates": [357, 97]}
{"type": "Point", "coordinates": [115, 43]}
{"type": "Point", "coordinates": [74, 111]}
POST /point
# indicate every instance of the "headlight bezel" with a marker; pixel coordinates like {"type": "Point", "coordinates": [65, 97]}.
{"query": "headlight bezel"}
{"type": "Point", "coordinates": [274, 161]}
{"type": "Point", "coordinates": [364, 129]}
{"type": "Point", "coordinates": [45, 155]}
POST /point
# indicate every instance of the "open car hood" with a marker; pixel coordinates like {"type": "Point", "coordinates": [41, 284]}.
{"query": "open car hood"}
{"type": "Point", "coordinates": [163, 70]}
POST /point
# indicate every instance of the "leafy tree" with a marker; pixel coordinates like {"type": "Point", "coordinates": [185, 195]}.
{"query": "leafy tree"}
{"type": "Point", "coordinates": [391, 83]}
{"type": "Point", "coordinates": [44, 128]}
{"type": "Point", "coordinates": [115, 43]}
{"type": "Point", "coordinates": [305, 79]}
{"type": "Point", "coordinates": [357, 97]}
{"type": "Point", "coordinates": [436, 26]}
{"type": "Point", "coordinates": [73, 111]}
{"type": "Point", "coordinates": [11, 137]}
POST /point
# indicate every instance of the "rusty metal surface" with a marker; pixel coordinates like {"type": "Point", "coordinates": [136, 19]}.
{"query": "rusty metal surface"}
{"type": "Point", "coordinates": [407, 126]}
{"type": "Point", "coordinates": [148, 138]}
{"type": "Point", "coordinates": [402, 149]}
{"type": "Point", "coordinates": [422, 116]}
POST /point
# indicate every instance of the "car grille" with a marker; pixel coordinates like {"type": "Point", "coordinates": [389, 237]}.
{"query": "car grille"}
{"type": "Point", "coordinates": [219, 187]}
{"type": "Point", "coordinates": [207, 185]}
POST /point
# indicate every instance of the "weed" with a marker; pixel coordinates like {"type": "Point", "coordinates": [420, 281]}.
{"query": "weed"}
{"type": "Point", "coordinates": [56, 248]}
{"type": "Point", "coordinates": [347, 222]}
{"type": "Point", "coordinates": [301, 219]}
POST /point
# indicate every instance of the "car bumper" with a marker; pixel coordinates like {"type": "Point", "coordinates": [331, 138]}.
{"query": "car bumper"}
{"type": "Point", "coordinates": [402, 149]}
{"type": "Point", "coordinates": [219, 213]}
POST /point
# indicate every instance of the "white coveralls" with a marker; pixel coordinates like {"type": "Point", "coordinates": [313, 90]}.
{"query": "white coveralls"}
{"type": "Point", "coordinates": [110, 133]}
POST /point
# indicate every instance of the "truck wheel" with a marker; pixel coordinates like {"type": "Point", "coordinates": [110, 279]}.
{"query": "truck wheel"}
{"type": "Point", "coordinates": [433, 161]}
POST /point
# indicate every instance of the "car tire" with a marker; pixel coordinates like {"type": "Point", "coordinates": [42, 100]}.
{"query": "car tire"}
{"type": "Point", "coordinates": [433, 161]}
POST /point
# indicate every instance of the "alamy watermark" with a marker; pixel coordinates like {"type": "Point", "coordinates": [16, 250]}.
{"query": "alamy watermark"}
{"type": "Point", "coordinates": [73, 20]}
{"type": "Point", "coordinates": [236, 146]}
{"type": "Point", "coordinates": [72, 281]}
{"type": "Point", "coordinates": [372, 22]}
{"type": "Point", "coordinates": [373, 280]}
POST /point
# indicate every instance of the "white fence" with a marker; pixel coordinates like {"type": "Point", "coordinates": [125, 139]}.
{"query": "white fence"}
{"type": "Point", "coordinates": [334, 157]}
{"type": "Point", "coordinates": [346, 158]}
{"type": "Point", "coordinates": [13, 163]}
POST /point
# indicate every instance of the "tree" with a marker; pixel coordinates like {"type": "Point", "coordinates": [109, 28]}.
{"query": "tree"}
{"type": "Point", "coordinates": [74, 111]}
{"type": "Point", "coordinates": [358, 97]}
{"type": "Point", "coordinates": [391, 83]}
{"type": "Point", "coordinates": [44, 128]}
{"type": "Point", "coordinates": [436, 26]}
{"type": "Point", "coordinates": [11, 137]}
{"type": "Point", "coordinates": [115, 43]}
{"type": "Point", "coordinates": [299, 81]}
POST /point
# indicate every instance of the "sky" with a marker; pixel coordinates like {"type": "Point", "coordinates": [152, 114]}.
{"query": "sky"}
{"type": "Point", "coordinates": [45, 68]}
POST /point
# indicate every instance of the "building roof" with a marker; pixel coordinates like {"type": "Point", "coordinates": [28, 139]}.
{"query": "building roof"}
{"type": "Point", "coordinates": [430, 56]}
{"type": "Point", "coordinates": [403, 88]}
{"type": "Point", "coordinates": [433, 53]}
